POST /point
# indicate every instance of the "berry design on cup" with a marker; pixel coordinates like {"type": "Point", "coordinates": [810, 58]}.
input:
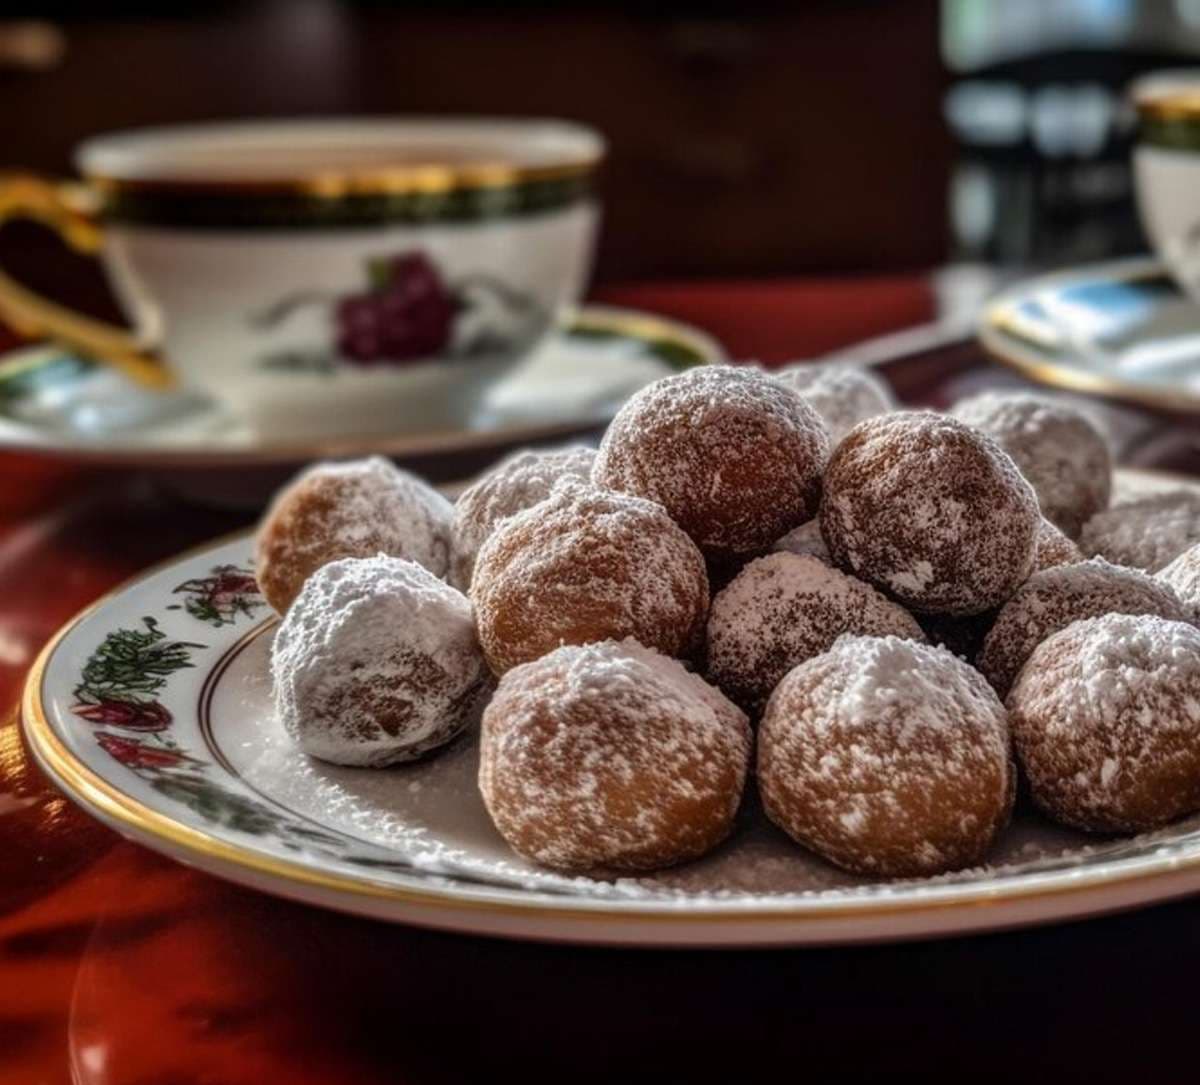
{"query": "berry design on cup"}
{"type": "Point", "coordinates": [407, 312]}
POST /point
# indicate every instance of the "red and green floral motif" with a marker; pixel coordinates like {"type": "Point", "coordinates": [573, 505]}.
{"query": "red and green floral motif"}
{"type": "Point", "coordinates": [218, 599]}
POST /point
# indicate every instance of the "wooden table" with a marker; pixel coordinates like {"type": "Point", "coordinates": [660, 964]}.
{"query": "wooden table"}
{"type": "Point", "coordinates": [120, 966]}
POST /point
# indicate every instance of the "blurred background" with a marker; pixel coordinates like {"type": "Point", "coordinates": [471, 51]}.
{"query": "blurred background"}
{"type": "Point", "coordinates": [750, 140]}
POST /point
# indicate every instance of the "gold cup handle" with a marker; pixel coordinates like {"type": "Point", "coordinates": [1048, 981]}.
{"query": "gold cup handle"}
{"type": "Point", "coordinates": [63, 207]}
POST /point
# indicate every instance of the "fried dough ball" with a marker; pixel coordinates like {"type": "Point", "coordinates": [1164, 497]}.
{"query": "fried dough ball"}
{"type": "Point", "coordinates": [887, 757]}
{"type": "Point", "coordinates": [1054, 445]}
{"type": "Point", "coordinates": [842, 395]}
{"type": "Point", "coordinates": [783, 609]}
{"type": "Point", "coordinates": [513, 485]}
{"type": "Point", "coordinates": [1106, 720]}
{"type": "Point", "coordinates": [931, 512]}
{"type": "Point", "coordinates": [588, 565]}
{"type": "Point", "coordinates": [376, 662]}
{"type": "Point", "coordinates": [733, 456]}
{"type": "Point", "coordinates": [611, 755]}
{"type": "Point", "coordinates": [349, 510]}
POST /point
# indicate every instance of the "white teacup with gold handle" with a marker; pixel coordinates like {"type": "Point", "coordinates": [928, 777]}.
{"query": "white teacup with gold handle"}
{"type": "Point", "coordinates": [323, 277]}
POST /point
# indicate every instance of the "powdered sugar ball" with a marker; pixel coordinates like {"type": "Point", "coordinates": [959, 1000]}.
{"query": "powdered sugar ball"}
{"type": "Point", "coordinates": [516, 483]}
{"type": "Point", "coordinates": [1183, 575]}
{"type": "Point", "coordinates": [931, 512]}
{"type": "Point", "coordinates": [887, 757]}
{"type": "Point", "coordinates": [842, 395]}
{"type": "Point", "coordinates": [611, 755]}
{"type": "Point", "coordinates": [1054, 598]}
{"type": "Point", "coordinates": [376, 662]}
{"type": "Point", "coordinates": [783, 609]}
{"type": "Point", "coordinates": [349, 510]}
{"type": "Point", "coordinates": [1106, 721]}
{"type": "Point", "coordinates": [805, 539]}
{"type": "Point", "coordinates": [588, 565]}
{"type": "Point", "coordinates": [731, 454]}
{"type": "Point", "coordinates": [1148, 533]}
{"type": "Point", "coordinates": [1054, 445]}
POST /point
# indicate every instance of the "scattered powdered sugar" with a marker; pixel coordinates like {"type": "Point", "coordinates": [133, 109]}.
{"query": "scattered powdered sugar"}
{"type": "Point", "coordinates": [1183, 576]}
{"type": "Point", "coordinates": [1106, 718]}
{"type": "Point", "coordinates": [805, 539]}
{"type": "Point", "coordinates": [931, 512]}
{"type": "Point", "coordinates": [783, 609]}
{"type": "Point", "coordinates": [516, 483]}
{"type": "Point", "coordinates": [376, 662]}
{"type": "Point", "coordinates": [887, 756]}
{"type": "Point", "coordinates": [349, 510]}
{"type": "Point", "coordinates": [843, 395]}
{"type": "Point", "coordinates": [1054, 598]}
{"type": "Point", "coordinates": [732, 455]}
{"type": "Point", "coordinates": [611, 755]}
{"type": "Point", "coordinates": [587, 565]}
{"type": "Point", "coordinates": [1055, 446]}
{"type": "Point", "coordinates": [1147, 533]}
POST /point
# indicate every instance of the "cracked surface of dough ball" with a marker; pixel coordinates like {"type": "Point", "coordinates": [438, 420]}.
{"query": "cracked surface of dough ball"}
{"type": "Point", "coordinates": [931, 512]}
{"type": "Point", "coordinates": [1106, 721]}
{"type": "Point", "coordinates": [355, 509]}
{"type": "Point", "coordinates": [376, 662]}
{"type": "Point", "coordinates": [887, 757]}
{"type": "Point", "coordinates": [611, 755]}
{"type": "Point", "coordinates": [588, 565]}
{"type": "Point", "coordinates": [733, 456]}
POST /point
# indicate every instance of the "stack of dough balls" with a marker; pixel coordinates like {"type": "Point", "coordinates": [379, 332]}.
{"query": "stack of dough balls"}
{"type": "Point", "coordinates": [891, 613]}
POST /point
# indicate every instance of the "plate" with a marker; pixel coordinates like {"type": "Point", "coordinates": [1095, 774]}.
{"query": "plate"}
{"type": "Point", "coordinates": [202, 772]}
{"type": "Point", "coordinates": [1122, 330]}
{"type": "Point", "coordinates": [57, 404]}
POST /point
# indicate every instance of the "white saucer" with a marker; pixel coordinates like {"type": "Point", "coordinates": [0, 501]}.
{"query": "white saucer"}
{"type": "Point", "coordinates": [56, 404]}
{"type": "Point", "coordinates": [1122, 330]}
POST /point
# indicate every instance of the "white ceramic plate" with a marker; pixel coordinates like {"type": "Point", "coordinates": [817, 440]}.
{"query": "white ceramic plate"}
{"type": "Point", "coordinates": [56, 404]}
{"type": "Point", "coordinates": [1123, 330]}
{"type": "Point", "coordinates": [202, 772]}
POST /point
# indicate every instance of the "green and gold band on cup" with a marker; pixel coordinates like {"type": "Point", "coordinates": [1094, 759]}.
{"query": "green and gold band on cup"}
{"type": "Point", "coordinates": [1170, 119]}
{"type": "Point", "coordinates": [405, 195]}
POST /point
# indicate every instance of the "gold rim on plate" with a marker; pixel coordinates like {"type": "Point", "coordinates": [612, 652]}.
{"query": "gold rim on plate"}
{"type": "Point", "coordinates": [144, 824]}
{"type": "Point", "coordinates": [1000, 337]}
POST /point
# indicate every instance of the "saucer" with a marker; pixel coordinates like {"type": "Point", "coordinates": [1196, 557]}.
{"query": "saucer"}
{"type": "Point", "coordinates": [1123, 330]}
{"type": "Point", "coordinates": [61, 405]}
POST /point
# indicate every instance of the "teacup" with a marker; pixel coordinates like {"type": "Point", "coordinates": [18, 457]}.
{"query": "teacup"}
{"type": "Point", "coordinates": [1166, 165]}
{"type": "Point", "coordinates": [324, 277]}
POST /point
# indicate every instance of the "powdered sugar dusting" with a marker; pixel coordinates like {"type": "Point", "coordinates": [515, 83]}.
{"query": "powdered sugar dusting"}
{"type": "Point", "coordinates": [1106, 717]}
{"type": "Point", "coordinates": [887, 756]}
{"type": "Point", "coordinates": [518, 482]}
{"type": "Point", "coordinates": [842, 395]}
{"type": "Point", "coordinates": [1146, 533]}
{"type": "Point", "coordinates": [1183, 576]}
{"type": "Point", "coordinates": [611, 755]}
{"type": "Point", "coordinates": [376, 662]}
{"type": "Point", "coordinates": [805, 539]}
{"type": "Point", "coordinates": [1054, 598]}
{"type": "Point", "coordinates": [354, 509]}
{"type": "Point", "coordinates": [1054, 445]}
{"type": "Point", "coordinates": [733, 456]}
{"type": "Point", "coordinates": [783, 609]}
{"type": "Point", "coordinates": [588, 565]}
{"type": "Point", "coordinates": [931, 512]}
